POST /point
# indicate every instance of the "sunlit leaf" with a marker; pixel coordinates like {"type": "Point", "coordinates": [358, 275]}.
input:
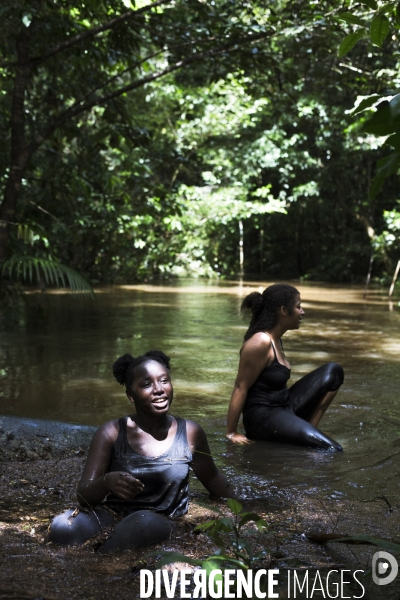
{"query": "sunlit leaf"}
{"type": "Point", "coordinates": [234, 505]}
{"type": "Point", "coordinates": [350, 18]}
{"type": "Point", "coordinates": [380, 122]}
{"type": "Point", "coordinates": [370, 3]}
{"type": "Point", "coordinates": [379, 29]}
{"type": "Point", "coordinates": [350, 41]}
{"type": "Point", "coordinates": [389, 165]}
{"type": "Point", "coordinates": [387, 8]}
{"type": "Point", "coordinates": [205, 526]}
{"type": "Point", "coordinates": [364, 104]}
{"type": "Point", "coordinates": [52, 271]}
{"type": "Point", "coordinates": [394, 141]}
{"type": "Point", "coordinates": [386, 119]}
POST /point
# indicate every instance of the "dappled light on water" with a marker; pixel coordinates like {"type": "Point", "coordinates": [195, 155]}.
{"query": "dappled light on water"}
{"type": "Point", "coordinates": [57, 365]}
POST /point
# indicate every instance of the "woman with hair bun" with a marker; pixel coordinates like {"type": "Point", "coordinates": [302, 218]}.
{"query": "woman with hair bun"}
{"type": "Point", "coordinates": [271, 410]}
{"type": "Point", "coordinates": [137, 469]}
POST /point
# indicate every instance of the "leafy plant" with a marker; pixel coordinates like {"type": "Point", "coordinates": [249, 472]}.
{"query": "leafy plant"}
{"type": "Point", "coordinates": [374, 20]}
{"type": "Point", "coordinates": [232, 538]}
{"type": "Point", "coordinates": [53, 272]}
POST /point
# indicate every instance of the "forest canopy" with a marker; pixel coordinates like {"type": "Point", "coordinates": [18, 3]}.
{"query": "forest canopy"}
{"type": "Point", "coordinates": [208, 137]}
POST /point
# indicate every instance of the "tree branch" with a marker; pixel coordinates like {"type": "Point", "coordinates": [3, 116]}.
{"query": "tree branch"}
{"type": "Point", "coordinates": [90, 33]}
{"type": "Point", "coordinates": [99, 29]}
{"type": "Point", "coordinates": [134, 66]}
{"type": "Point", "coordinates": [78, 107]}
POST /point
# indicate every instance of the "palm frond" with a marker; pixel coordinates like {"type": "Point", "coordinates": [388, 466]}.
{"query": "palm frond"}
{"type": "Point", "coordinates": [53, 273]}
{"type": "Point", "coordinates": [26, 233]}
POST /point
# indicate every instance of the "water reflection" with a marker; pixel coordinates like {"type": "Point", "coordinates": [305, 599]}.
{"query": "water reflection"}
{"type": "Point", "coordinates": [57, 365]}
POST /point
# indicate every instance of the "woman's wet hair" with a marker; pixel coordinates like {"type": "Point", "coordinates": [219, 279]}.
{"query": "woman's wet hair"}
{"type": "Point", "coordinates": [124, 367]}
{"type": "Point", "coordinates": [264, 307]}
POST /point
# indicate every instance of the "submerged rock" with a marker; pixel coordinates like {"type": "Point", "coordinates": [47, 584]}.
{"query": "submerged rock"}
{"type": "Point", "coordinates": [29, 439]}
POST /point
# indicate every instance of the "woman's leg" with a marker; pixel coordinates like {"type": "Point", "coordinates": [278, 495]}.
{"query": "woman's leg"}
{"type": "Point", "coordinates": [283, 425]}
{"type": "Point", "coordinates": [319, 411]}
{"type": "Point", "coordinates": [313, 393]}
{"type": "Point", "coordinates": [138, 530]}
{"type": "Point", "coordinates": [74, 527]}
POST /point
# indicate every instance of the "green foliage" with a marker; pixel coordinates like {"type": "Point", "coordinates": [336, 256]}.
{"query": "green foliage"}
{"type": "Point", "coordinates": [379, 29]}
{"type": "Point", "coordinates": [153, 136]}
{"type": "Point", "coordinates": [52, 272]}
{"type": "Point", "coordinates": [233, 540]}
{"type": "Point", "coordinates": [376, 25]}
{"type": "Point", "coordinates": [350, 41]}
{"type": "Point", "coordinates": [389, 165]}
{"type": "Point", "coordinates": [373, 23]}
{"type": "Point", "coordinates": [389, 238]}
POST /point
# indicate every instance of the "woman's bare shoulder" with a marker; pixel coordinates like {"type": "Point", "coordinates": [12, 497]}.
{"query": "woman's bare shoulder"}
{"type": "Point", "coordinates": [196, 436]}
{"type": "Point", "coordinates": [258, 341]}
{"type": "Point", "coordinates": [108, 431]}
{"type": "Point", "coordinates": [193, 428]}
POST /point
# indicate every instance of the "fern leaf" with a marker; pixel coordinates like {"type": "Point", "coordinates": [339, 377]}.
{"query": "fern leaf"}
{"type": "Point", "coordinates": [55, 273]}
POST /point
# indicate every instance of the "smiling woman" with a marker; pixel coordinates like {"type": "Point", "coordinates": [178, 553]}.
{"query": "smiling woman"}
{"type": "Point", "coordinates": [137, 470]}
{"type": "Point", "coordinates": [271, 410]}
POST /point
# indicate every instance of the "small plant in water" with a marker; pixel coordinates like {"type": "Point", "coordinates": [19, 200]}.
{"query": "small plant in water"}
{"type": "Point", "coordinates": [235, 550]}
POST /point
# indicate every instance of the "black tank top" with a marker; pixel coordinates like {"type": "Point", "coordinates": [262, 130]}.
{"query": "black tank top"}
{"type": "Point", "coordinates": [165, 477]}
{"type": "Point", "coordinates": [270, 388]}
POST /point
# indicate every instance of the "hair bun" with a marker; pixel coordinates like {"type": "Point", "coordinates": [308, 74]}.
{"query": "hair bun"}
{"type": "Point", "coordinates": [121, 366]}
{"type": "Point", "coordinates": [254, 302]}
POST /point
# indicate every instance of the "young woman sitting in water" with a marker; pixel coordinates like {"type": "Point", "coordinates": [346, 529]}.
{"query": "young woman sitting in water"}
{"type": "Point", "coordinates": [137, 469]}
{"type": "Point", "coordinates": [271, 411]}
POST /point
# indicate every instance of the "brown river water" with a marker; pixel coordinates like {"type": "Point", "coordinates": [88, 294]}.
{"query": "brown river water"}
{"type": "Point", "coordinates": [56, 364]}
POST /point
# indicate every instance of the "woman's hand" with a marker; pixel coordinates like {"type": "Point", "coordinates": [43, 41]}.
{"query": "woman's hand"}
{"type": "Point", "coordinates": [96, 481]}
{"type": "Point", "coordinates": [123, 485]}
{"type": "Point", "coordinates": [238, 438]}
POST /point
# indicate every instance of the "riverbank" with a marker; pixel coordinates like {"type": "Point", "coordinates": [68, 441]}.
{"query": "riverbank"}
{"type": "Point", "coordinates": [32, 492]}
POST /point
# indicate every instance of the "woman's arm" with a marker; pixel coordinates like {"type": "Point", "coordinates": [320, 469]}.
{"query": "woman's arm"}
{"type": "Point", "coordinates": [255, 356]}
{"type": "Point", "coordinates": [203, 464]}
{"type": "Point", "coordinates": [96, 481]}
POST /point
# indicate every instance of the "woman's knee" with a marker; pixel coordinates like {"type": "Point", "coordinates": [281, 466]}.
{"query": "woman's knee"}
{"type": "Point", "coordinates": [138, 530]}
{"type": "Point", "coordinates": [334, 375]}
{"type": "Point", "coordinates": [74, 527]}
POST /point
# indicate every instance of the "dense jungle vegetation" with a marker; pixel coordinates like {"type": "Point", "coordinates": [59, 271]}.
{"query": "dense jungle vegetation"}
{"type": "Point", "coordinates": [208, 137]}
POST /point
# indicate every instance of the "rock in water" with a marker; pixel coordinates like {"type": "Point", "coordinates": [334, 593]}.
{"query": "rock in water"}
{"type": "Point", "coordinates": [30, 439]}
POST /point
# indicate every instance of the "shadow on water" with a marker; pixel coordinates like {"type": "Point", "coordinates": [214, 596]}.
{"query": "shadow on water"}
{"type": "Point", "coordinates": [57, 365]}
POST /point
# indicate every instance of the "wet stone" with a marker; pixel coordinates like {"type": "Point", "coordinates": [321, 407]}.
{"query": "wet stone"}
{"type": "Point", "coordinates": [24, 439]}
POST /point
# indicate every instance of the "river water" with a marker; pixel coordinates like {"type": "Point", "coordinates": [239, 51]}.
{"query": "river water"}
{"type": "Point", "coordinates": [56, 364]}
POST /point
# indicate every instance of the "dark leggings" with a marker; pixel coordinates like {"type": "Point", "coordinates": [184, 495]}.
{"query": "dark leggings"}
{"type": "Point", "coordinates": [290, 423]}
{"type": "Point", "coordinates": [138, 530]}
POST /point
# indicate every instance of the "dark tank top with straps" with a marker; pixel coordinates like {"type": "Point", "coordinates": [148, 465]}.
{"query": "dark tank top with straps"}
{"type": "Point", "coordinates": [269, 389]}
{"type": "Point", "coordinates": [165, 477]}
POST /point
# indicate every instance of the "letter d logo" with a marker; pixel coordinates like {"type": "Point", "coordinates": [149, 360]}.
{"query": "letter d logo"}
{"type": "Point", "coordinates": [382, 563]}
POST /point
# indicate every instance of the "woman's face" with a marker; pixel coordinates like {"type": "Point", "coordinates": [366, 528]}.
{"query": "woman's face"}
{"type": "Point", "coordinates": [295, 313]}
{"type": "Point", "coordinates": [152, 390]}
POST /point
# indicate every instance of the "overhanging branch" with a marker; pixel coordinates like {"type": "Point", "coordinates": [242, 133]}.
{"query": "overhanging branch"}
{"type": "Point", "coordinates": [91, 33]}
{"type": "Point", "coordinates": [80, 106]}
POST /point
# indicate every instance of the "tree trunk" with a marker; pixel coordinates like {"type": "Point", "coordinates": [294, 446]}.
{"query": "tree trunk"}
{"type": "Point", "coordinates": [18, 154]}
{"type": "Point", "coordinates": [396, 272]}
{"type": "Point", "coordinates": [241, 256]}
{"type": "Point", "coordinates": [368, 279]}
